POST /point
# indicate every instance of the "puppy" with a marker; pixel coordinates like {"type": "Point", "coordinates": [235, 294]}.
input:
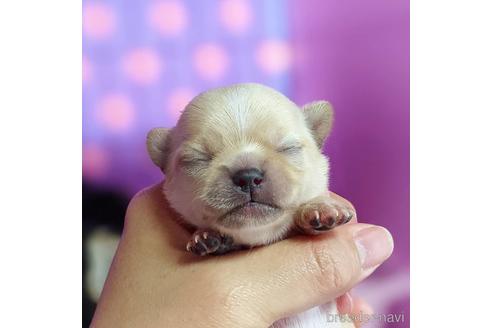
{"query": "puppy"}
{"type": "Point", "coordinates": [244, 167]}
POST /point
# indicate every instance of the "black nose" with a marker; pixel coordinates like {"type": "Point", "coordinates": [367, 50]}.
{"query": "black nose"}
{"type": "Point", "coordinates": [248, 179]}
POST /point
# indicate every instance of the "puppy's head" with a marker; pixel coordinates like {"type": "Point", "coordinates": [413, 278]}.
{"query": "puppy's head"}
{"type": "Point", "coordinates": [243, 158]}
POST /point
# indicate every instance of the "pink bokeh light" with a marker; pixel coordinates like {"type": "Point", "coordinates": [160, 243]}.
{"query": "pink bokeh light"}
{"type": "Point", "coordinates": [211, 61]}
{"type": "Point", "coordinates": [235, 15]}
{"type": "Point", "coordinates": [168, 18]}
{"type": "Point", "coordinates": [177, 101]}
{"type": "Point", "coordinates": [95, 161]}
{"type": "Point", "coordinates": [116, 112]}
{"type": "Point", "coordinates": [98, 20]}
{"type": "Point", "coordinates": [142, 65]}
{"type": "Point", "coordinates": [274, 56]}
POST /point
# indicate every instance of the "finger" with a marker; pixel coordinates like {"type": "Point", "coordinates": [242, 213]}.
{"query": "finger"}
{"type": "Point", "coordinates": [361, 306]}
{"type": "Point", "coordinates": [361, 310]}
{"type": "Point", "coordinates": [151, 222]}
{"type": "Point", "coordinates": [356, 307]}
{"type": "Point", "coordinates": [296, 274]}
{"type": "Point", "coordinates": [345, 303]}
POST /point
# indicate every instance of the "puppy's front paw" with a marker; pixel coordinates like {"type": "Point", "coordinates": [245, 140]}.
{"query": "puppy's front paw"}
{"type": "Point", "coordinates": [316, 217]}
{"type": "Point", "coordinates": [207, 242]}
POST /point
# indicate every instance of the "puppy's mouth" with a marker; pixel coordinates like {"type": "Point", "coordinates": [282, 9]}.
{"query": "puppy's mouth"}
{"type": "Point", "coordinates": [251, 213]}
{"type": "Point", "coordinates": [252, 208]}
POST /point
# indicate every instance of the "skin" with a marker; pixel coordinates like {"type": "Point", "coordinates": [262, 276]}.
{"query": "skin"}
{"type": "Point", "coordinates": [154, 282]}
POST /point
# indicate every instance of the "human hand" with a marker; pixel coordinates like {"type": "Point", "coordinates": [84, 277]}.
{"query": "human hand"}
{"type": "Point", "coordinates": [355, 307]}
{"type": "Point", "coordinates": [154, 282]}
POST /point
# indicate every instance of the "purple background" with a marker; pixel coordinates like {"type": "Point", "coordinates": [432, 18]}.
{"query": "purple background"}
{"type": "Point", "coordinates": [356, 54]}
{"type": "Point", "coordinates": [353, 53]}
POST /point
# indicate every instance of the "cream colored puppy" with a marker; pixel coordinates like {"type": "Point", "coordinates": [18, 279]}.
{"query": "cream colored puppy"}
{"type": "Point", "coordinates": [244, 166]}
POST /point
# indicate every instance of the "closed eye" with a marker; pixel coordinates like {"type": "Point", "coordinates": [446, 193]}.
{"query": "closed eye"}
{"type": "Point", "coordinates": [290, 149]}
{"type": "Point", "coordinates": [192, 156]}
{"type": "Point", "coordinates": [194, 159]}
{"type": "Point", "coordinates": [190, 161]}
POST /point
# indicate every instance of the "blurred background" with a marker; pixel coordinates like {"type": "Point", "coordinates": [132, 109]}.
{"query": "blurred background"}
{"type": "Point", "coordinates": [144, 60]}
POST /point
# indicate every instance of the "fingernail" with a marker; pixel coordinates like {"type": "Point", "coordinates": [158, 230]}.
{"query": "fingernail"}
{"type": "Point", "coordinates": [375, 245]}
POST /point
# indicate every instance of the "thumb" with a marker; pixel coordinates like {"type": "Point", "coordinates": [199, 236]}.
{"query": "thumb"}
{"type": "Point", "coordinates": [299, 273]}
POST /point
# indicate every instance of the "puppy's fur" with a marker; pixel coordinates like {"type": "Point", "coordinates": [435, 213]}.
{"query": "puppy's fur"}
{"type": "Point", "coordinates": [240, 127]}
{"type": "Point", "coordinates": [237, 129]}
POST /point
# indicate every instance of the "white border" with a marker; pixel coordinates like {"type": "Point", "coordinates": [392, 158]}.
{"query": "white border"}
{"type": "Point", "coordinates": [40, 173]}
{"type": "Point", "coordinates": [451, 93]}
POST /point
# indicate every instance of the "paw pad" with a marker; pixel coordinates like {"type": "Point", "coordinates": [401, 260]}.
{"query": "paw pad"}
{"type": "Point", "coordinates": [204, 242]}
{"type": "Point", "coordinates": [319, 217]}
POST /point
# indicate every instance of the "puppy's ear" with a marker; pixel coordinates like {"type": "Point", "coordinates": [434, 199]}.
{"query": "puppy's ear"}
{"type": "Point", "coordinates": [319, 117]}
{"type": "Point", "coordinates": [157, 146]}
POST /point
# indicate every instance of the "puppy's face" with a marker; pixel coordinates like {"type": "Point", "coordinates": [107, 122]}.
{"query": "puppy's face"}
{"type": "Point", "coordinates": [243, 158]}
